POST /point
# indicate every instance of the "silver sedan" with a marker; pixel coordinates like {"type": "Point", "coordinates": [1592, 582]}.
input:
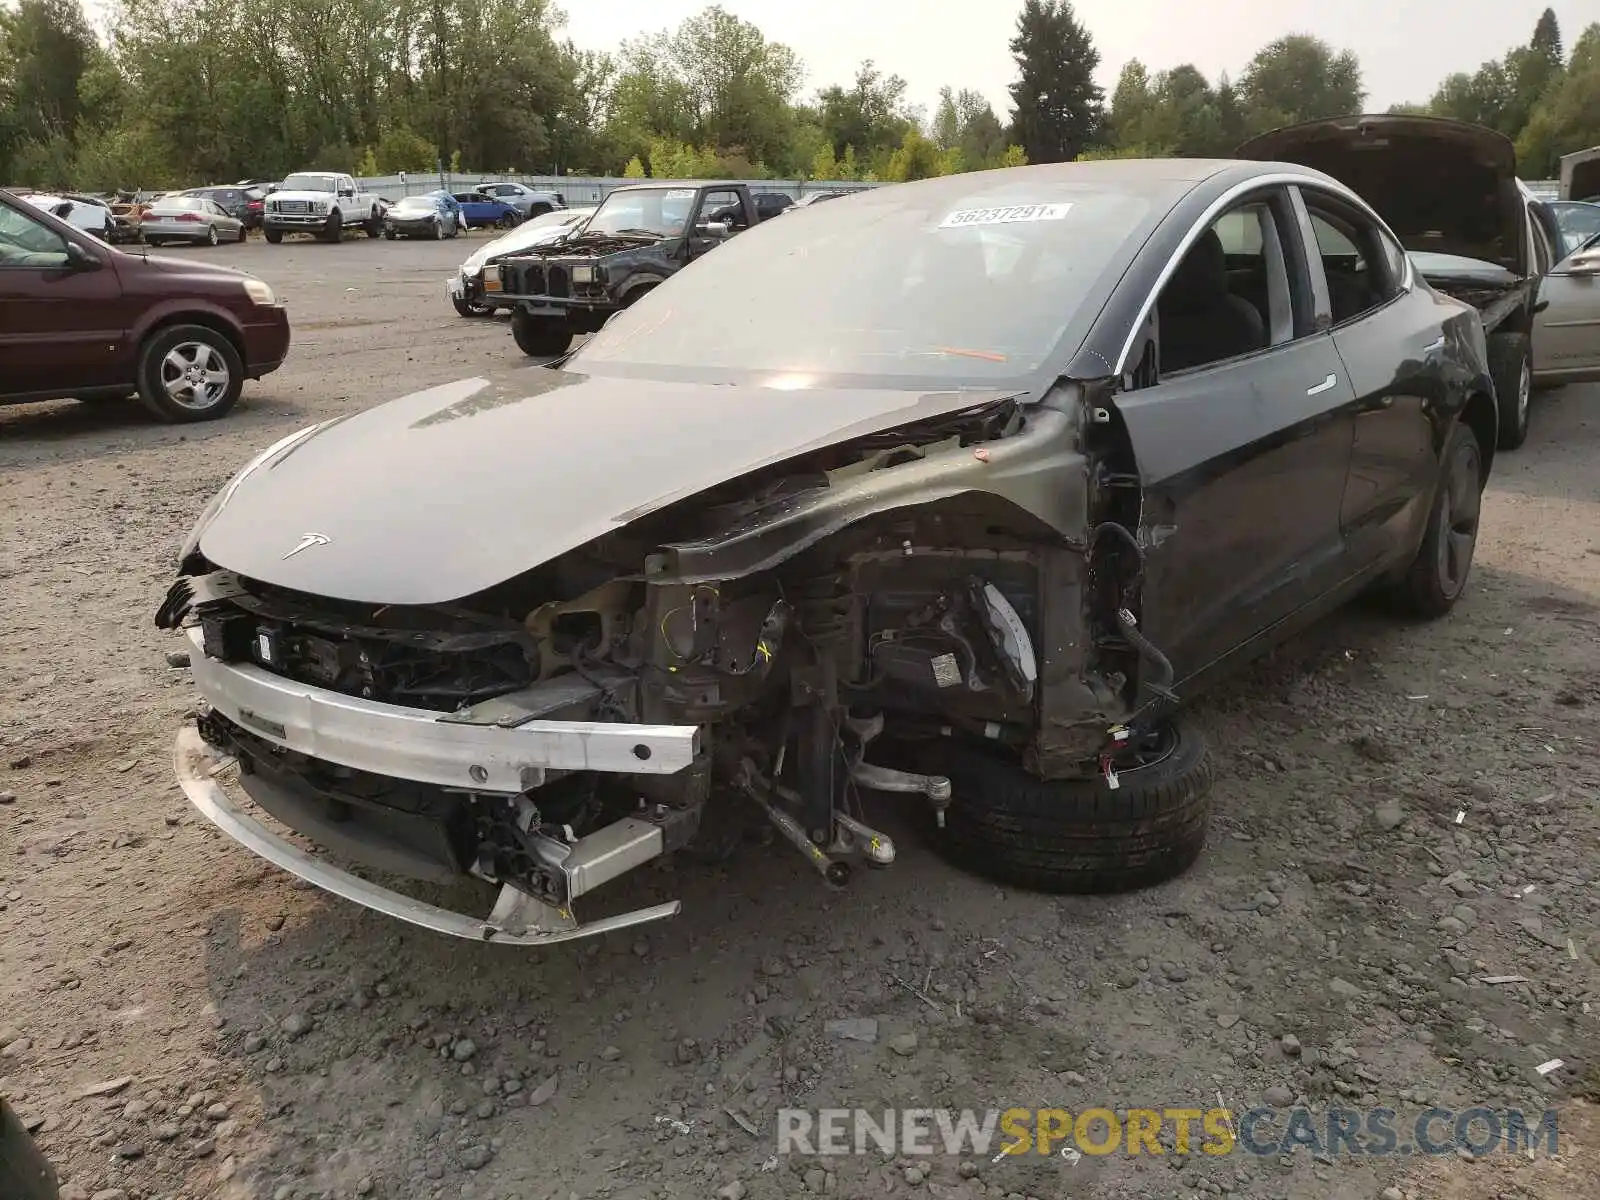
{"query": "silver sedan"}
{"type": "Point", "coordinates": [189, 219]}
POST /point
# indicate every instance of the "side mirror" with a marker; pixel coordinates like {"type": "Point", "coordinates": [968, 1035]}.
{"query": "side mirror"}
{"type": "Point", "coordinates": [79, 259]}
{"type": "Point", "coordinates": [712, 229]}
{"type": "Point", "coordinates": [347, 192]}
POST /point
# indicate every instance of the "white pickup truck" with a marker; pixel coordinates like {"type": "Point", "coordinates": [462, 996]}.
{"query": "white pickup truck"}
{"type": "Point", "coordinates": [323, 204]}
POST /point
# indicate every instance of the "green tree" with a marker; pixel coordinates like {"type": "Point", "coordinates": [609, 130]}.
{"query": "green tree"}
{"type": "Point", "coordinates": [634, 169]}
{"type": "Point", "coordinates": [915, 158]}
{"type": "Point", "coordinates": [1299, 78]}
{"type": "Point", "coordinates": [1567, 117]}
{"type": "Point", "coordinates": [870, 115]}
{"type": "Point", "coordinates": [1058, 109]}
{"type": "Point", "coordinates": [46, 47]}
{"type": "Point", "coordinates": [716, 81]}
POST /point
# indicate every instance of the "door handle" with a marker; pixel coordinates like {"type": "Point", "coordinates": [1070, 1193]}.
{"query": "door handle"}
{"type": "Point", "coordinates": [1434, 345]}
{"type": "Point", "coordinates": [1324, 386]}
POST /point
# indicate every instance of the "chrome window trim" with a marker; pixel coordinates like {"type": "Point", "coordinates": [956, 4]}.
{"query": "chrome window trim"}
{"type": "Point", "coordinates": [1215, 209]}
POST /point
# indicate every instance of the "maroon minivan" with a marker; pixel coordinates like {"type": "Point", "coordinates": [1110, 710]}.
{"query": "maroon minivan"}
{"type": "Point", "coordinates": [82, 320]}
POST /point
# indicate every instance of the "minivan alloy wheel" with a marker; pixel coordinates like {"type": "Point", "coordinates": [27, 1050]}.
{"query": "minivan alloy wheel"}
{"type": "Point", "coordinates": [194, 376]}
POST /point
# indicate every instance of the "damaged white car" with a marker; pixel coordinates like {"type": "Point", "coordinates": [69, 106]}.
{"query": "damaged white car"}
{"type": "Point", "coordinates": [953, 491]}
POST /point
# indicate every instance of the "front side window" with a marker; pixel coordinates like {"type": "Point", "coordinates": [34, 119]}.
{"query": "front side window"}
{"type": "Point", "coordinates": [723, 207]}
{"type": "Point", "coordinates": [27, 243]}
{"type": "Point", "coordinates": [1229, 295]}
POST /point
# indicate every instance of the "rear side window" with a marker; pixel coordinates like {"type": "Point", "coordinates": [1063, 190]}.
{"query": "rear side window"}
{"type": "Point", "coordinates": [1364, 269]}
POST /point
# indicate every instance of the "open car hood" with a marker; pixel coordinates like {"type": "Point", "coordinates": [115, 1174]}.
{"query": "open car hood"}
{"type": "Point", "coordinates": [448, 491]}
{"type": "Point", "coordinates": [1443, 186]}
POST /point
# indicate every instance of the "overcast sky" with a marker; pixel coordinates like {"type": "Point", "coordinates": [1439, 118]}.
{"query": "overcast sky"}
{"type": "Point", "coordinates": [1405, 46]}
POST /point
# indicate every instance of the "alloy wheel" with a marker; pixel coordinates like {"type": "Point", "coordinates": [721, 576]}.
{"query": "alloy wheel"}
{"type": "Point", "coordinates": [1460, 501]}
{"type": "Point", "coordinates": [194, 376]}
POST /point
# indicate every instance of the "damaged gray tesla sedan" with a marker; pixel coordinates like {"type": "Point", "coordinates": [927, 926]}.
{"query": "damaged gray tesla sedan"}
{"type": "Point", "coordinates": [956, 490]}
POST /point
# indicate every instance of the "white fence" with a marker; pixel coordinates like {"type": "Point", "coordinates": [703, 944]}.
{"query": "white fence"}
{"type": "Point", "coordinates": [576, 190]}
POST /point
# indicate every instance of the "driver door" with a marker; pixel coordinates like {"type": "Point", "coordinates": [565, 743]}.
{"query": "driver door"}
{"type": "Point", "coordinates": [1566, 322]}
{"type": "Point", "coordinates": [62, 326]}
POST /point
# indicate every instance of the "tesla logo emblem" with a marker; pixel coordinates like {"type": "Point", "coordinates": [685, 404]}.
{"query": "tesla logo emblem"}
{"type": "Point", "coordinates": [307, 541]}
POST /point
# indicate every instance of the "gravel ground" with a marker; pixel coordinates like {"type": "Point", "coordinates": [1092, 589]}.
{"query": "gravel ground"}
{"type": "Point", "coordinates": [1402, 814]}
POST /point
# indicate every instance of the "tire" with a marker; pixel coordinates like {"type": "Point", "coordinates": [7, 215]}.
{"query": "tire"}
{"type": "Point", "coordinates": [467, 308]}
{"type": "Point", "coordinates": [333, 231]}
{"type": "Point", "coordinates": [167, 351]}
{"type": "Point", "coordinates": [211, 235]}
{"type": "Point", "coordinates": [540, 208]}
{"type": "Point", "coordinates": [1076, 835]}
{"type": "Point", "coordinates": [438, 230]}
{"type": "Point", "coordinates": [244, 235]}
{"type": "Point", "coordinates": [540, 337]}
{"type": "Point", "coordinates": [154, 241]}
{"type": "Point", "coordinates": [374, 225]}
{"type": "Point", "coordinates": [390, 234]}
{"type": "Point", "coordinates": [507, 221]}
{"type": "Point", "coordinates": [25, 1173]}
{"type": "Point", "coordinates": [1437, 577]}
{"type": "Point", "coordinates": [1511, 366]}
{"type": "Point", "coordinates": [273, 236]}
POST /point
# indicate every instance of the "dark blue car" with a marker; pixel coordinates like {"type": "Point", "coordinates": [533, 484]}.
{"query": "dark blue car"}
{"type": "Point", "coordinates": [481, 210]}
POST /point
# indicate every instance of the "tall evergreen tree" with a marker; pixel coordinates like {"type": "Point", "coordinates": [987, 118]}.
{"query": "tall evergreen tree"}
{"type": "Point", "coordinates": [1058, 109]}
{"type": "Point", "coordinates": [1547, 38]}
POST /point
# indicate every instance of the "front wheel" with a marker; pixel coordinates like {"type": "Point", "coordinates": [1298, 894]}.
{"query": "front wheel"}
{"type": "Point", "coordinates": [189, 373]}
{"type": "Point", "coordinates": [374, 225]}
{"type": "Point", "coordinates": [1511, 367]}
{"type": "Point", "coordinates": [1078, 835]}
{"type": "Point", "coordinates": [244, 234]}
{"type": "Point", "coordinates": [540, 337]}
{"type": "Point", "coordinates": [1438, 575]}
{"type": "Point", "coordinates": [334, 230]}
{"type": "Point", "coordinates": [507, 221]}
{"type": "Point", "coordinates": [273, 236]}
{"type": "Point", "coordinates": [438, 230]}
{"type": "Point", "coordinates": [211, 235]}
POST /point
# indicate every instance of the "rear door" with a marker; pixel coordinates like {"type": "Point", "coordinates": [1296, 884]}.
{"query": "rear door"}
{"type": "Point", "coordinates": [61, 325]}
{"type": "Point", "coordinates": [1242, 459]}
{"type": "Point", "coordinates": [1566, 322]}
{"type": "Point", "coordinates": [1391, 339]}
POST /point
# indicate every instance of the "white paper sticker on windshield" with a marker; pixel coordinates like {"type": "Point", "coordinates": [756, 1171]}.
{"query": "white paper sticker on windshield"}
{"type": "Point", "coordinates": [680, 193]}
{"type": "Point", "coordinates": [1005, 215]}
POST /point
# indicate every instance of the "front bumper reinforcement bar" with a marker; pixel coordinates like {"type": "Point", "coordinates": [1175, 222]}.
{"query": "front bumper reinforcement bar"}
{"type": "Point", "coordinates": [517, 919]}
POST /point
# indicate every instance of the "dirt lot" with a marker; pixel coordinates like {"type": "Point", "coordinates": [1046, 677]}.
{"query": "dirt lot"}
{"type": "Point", "coordinates": [1402, 813]}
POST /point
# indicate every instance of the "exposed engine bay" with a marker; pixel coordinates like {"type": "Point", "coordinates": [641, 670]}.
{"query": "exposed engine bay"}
{"type": "Point", "coordinates": [953, 616]}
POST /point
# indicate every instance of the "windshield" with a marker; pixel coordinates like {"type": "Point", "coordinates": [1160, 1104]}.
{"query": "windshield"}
{"type": "Point", "coordinates": [917, 281]}
{"type": "Point", "coordinates": [193, 203]}
{"type": "Point", "coordinates": [308, 183]}
{"type": "Point", "coordinates": [661, 211]}
{"type": "Point", "coordinates": [429, 202]}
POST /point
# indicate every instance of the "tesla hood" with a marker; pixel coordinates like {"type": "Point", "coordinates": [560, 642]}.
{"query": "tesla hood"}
{"type": "Point", "coordinates": [448, 491]}
{"type": "Point", "coordinates": [1443, 186]}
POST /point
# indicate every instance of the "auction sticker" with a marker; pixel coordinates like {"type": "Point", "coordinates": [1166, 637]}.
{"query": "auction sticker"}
{"type": "Point", "coordinates": [1005, 215]}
